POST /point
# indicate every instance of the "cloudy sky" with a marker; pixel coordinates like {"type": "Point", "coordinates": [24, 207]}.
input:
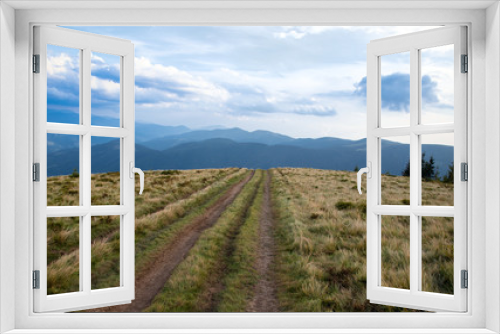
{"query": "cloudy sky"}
{"type": "Point", "coordinates": [298, 81]}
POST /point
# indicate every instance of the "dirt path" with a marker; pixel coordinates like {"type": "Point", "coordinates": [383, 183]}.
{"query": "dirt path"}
{"type": "Point", "coordinates": [148, 284]}
{"type": "Point", "coordinates": [217, 286]}
{"type": "Point", "coordinates": [265, 298]}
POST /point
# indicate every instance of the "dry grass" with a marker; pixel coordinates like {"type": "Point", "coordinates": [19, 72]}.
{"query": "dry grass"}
{"type": "Point", "coordinates": [242, 275]}
{"type": "Point", "coordinates": [169, 197]}
{"type": "Point", "coordinates": [192, 286]}
{"type": "Point", "coordinates": [321, 234]}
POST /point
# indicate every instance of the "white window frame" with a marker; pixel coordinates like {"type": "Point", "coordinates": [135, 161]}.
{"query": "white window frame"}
{"type": "Point", "coordinates": [484, 102]}
{"type": "Point", "coordinates": [414, 297]}
{"type": "Point", "coordinates": [85, 298]}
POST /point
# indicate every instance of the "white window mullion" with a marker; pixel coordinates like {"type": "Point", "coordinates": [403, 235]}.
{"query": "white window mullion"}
{"type": "Point", "coordinates": [86, 177]}
{"type": "Point", "coordinates": [81, 127]}
{"type": "Point", "coordinates": [414, 169]}
{"type": "Point", "coordinates": [433, 129]}
{"type": "Point", "coordinates": [123, 177]}
{"type": "Point", "coordinates": [76, 129]}
{"type": "Point", "coordinates": [422, 211]}
{"type": "Point", "coordinates": [417, 129]}
{"type": "Point", "coordinates": [127, 239]}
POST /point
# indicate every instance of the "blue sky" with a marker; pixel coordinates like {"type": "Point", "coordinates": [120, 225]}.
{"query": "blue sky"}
{"type": "Point", "coordinates": [298, 81]}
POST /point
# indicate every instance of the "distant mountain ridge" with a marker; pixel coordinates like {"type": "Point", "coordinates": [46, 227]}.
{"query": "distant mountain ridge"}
{"type": "Point", "coordinates": [235, 147]}
{"type": "Point", "coordinates": [235, 134]}
{"type": "Point", "coordinates": [143, 131]}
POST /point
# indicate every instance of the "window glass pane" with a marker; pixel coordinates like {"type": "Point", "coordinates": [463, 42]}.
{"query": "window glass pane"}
{"type": "Point", "coordinates": [105, 89]}
{"type": "Point", "coordinates": [105, 171]}
{"type": "Point", "coordinates": [395, 90]}
{"type": "Point", "coordinates": [437, 254]}
{"type": "Point", "coordinates": [437, 169]}
{"type": "Point", "coordinates": [438, 84]}
{"type": "Point", "coordinates": [395, 251]}
{"type": "Point", "coordinates": [105, 252]}
{"type": "Point", "coordinates": [63, 260]}
{"type": "Point", "coordinates": [63, 169]}
{"type": "Point", "coordinates": [395, 179]}
{"type": "Point", "coordinates": [63, 84]}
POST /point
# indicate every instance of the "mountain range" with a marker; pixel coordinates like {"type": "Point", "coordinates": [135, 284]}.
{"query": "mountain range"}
{"type": "Point", "coordinates": [166, 147]}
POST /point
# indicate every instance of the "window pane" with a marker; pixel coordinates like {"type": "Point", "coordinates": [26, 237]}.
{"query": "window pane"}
{"type": "Point", "coordinates": [105, 171]}
{"type": "Point", "coordinates": [395, 90]}
{"type": "Point", "coordinates": [63, 260]}
{"type": "Point", "coordinates": [105, 89]}
{"type": "Point", "coordinates": [105, 252]}
{"type": "Point", "coordinates": [437, 169]}
{"type": "Point", "coordinates": [395, 251]}
{"type": "Point", "coordinates": [395, 180]}
{"type": "Point", "coordinates": [63, 84]}
{"type": "Point", "coordinates": [437, 254]}
{"type": "Point", "coordinates": [63, 167]}
{"type": "Point", "coordinates": [438, 83]}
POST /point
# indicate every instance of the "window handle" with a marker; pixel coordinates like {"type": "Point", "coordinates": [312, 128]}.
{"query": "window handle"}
{"type": "Point", "coordinates": [134, 170]}
{"type": "Point", "coordinates": [368, 171]}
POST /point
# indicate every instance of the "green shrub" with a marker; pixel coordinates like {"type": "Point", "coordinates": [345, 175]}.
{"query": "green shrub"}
{"type": "Point", "coordinates": [341, 205]}
{"type": "Point", "coordinates": [170, 172]}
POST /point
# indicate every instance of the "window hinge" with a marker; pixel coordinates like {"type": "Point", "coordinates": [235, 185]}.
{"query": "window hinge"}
{"type": "Point", "coordinates": [36, 63]}
{"type": "Point", "coordinates": [36, 279]}
{"type": "Point", "coordinates": [464, 171]}
{"type": "Point", "coordinates": [465, 279]}
{"type": "Point", "coordinates": [465, 64]}
{"type": "Point", "coordinates": [36, 172]}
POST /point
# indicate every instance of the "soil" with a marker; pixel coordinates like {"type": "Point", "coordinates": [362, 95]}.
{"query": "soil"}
{"type": "Point", "coordinates": [217, 286]}
{"type": "Point", "coordinates": [265, 297]}
{"type": "Point", "coordinates": [148, 284]}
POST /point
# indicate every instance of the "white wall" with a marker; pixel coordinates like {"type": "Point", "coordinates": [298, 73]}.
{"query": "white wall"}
{"type": "Point", "coordinates": [7, 161]}
{"type": "Point", "coordinates": [492, 165]}
{"type": "Point", "coordinates": [480, 143]}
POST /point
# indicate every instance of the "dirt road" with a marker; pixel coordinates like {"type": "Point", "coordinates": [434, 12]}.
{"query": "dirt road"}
{"type": "Point", "coordinates": [148, 284]}
{"type": "Point", "coordinates": [265, 299]}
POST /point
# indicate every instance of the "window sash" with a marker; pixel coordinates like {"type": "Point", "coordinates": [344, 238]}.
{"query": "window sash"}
{"type": "Point", "coordinates": [86, 297]}
{"type": "Point", "coordinates": [414, 298]}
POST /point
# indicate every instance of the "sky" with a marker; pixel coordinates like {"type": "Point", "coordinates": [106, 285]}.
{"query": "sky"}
{"type": "Point", "coordinates": [298, 81]}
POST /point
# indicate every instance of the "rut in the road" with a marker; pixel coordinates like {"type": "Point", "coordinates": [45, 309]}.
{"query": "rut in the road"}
{"type": "Point", "coordinates": [213, 294]}
{"type": "Point", "coordinates": [265, 297]}
{"type": "Point", "coordinates": [149, 284]}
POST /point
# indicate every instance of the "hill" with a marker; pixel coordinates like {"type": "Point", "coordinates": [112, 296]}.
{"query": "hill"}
{"type": "Point", "coordinates": [143, 131]}
{"type": "Point", "coordinates": [325, 153]}
{"type": "Point", "coordinates": [235, 134]}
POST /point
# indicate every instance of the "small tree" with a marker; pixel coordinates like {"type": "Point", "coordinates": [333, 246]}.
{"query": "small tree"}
{"type": "Point", "coordinates": [448, 178]}
{"type": "Point", "coordinates": [406, 171]}
{"type": "Point", "coordinates": [75, 173]}
{"type": "Point", "coordinates": [356, 169]}
{"type": "Point", "coordinates": [428, 169]}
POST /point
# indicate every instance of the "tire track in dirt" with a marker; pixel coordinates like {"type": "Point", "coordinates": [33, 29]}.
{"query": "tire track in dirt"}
{"type": "Point", "coordinates": [213, 294]}
{"type": "Point", "coordinates": [265, 297]}
{"type": "Point", "coordinates": [150, 283]}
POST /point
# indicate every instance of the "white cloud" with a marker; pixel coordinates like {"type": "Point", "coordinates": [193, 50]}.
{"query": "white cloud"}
{"type": "Point", "coordinates": [200, 88]}
{"type": "Point", "coordinates": [299, 32]}
{"type": "Point", "coordinates": [61, 65]}
{"type": "Point", "coordinates": [106, 87]}
{"type": "Point", "coordinates": [96, 59]}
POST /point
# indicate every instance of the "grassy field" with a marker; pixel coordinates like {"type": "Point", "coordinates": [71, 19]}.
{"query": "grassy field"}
{"type": "Point", "coordinates": [171, 196]}
{"type": "Point", "coordinates": [319, 262]}
{"type": "Point", "coordinates": [197, 283]}
{"type": "Point", "coordinates": [321, 230]}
